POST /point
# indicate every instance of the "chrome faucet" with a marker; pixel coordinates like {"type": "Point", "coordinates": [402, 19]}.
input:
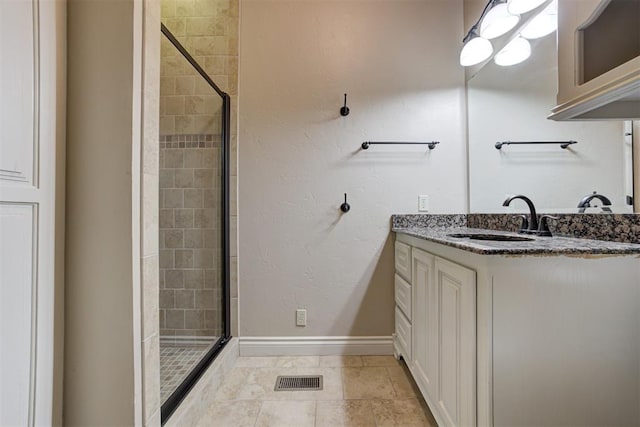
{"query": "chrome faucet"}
{"type": "Point", "coordinates": [533, 222]}
{"type": "Point", "coordinates": [585, 202]}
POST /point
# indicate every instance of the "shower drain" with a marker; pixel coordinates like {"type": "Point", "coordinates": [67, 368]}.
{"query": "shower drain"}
{"type": "Point", "coordinates": [299, 383]}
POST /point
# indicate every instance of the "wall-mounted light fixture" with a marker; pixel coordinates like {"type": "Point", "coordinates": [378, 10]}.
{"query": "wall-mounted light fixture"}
{"type": "Point", "coordinates": [518, 7]}
{"type": "Point", "coordinates": [497, 19]}
{"type": "Point", "coordinates": [475, 50]}
{"type": "Point", "coordinates": [544, 24]}
{"type": "Point", "coordinates": [515, 52]}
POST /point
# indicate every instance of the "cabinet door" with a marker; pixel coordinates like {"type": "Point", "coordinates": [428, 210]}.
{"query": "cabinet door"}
{"type": "Point", "coordinates": [425, 319]}
{"type": "Point", "coordinates": [456, 300]}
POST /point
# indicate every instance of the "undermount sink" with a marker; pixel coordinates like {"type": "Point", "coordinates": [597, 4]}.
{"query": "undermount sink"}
{"type": "Point", "coordinates": [493, 237]}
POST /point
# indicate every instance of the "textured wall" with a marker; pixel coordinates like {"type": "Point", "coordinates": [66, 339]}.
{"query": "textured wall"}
{"type": "Point", "coordinates": [398, 61]}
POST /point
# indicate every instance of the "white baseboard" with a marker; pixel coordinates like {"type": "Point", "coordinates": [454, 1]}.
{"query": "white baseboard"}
{"type": "Point", "coordinates": [315, 346]}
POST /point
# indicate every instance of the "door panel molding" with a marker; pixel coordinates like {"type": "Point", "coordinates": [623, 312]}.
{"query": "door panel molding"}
{"type": "Point", "coordinates": [457, 342]}
{"type": "Point", "coordinates": [18, 300]}
{"type": "Point", "coordinates": [20, 75]}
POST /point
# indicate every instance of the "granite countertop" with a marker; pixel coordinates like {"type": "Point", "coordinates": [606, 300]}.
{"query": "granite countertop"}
{"type": "Point", "coordinates": [538, 246]}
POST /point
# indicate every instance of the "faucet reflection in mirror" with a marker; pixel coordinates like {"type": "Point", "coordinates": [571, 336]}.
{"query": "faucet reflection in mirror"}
{"type": "Point", "coordinates": [585, 202]}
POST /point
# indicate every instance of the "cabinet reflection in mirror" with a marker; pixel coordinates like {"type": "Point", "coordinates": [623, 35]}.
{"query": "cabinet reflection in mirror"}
{"type": "Point", "coordinates": [512, 104]}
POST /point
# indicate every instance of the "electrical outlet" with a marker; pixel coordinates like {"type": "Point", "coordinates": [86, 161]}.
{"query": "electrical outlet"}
{"type": "Point", "coordinates": [423, 203]}
{"type": "Point", "coordinates": [301, 317]}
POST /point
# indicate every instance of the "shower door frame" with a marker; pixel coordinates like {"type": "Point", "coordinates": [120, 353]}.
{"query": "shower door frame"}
{"type": "Point", "coordinates": [178, 395]}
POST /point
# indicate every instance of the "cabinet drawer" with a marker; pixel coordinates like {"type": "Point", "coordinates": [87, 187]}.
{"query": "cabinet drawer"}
{"type": "Point", "coordinates": [403, 333]}
{"type": "Point", "coordinates": [403, 260]}
{"type": "Point", "coordinates": [403, 296]}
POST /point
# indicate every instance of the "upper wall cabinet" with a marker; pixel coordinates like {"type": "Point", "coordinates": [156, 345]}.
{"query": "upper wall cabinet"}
{"type": "Point", "coordinates": [598, 60]}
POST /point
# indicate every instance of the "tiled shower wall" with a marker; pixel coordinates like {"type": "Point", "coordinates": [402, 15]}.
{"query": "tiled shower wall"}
{"type": "Point", "coordinates": [188, 105]}
{"type": "Point", "coordinates": [190, 236]}
{"type": "Point", "coordinates": [209, 31]}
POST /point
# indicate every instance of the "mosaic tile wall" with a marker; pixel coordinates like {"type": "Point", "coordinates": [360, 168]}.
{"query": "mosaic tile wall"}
{"type": "Point", "coordinates": [190, 236]}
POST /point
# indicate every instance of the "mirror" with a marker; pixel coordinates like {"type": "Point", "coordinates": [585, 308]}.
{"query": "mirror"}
{"type": "Point", "coordinates": [512, 104]}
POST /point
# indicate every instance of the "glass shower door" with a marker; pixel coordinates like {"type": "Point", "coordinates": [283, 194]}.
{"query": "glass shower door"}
{"type": "Point", "coordinates": [193, 220]}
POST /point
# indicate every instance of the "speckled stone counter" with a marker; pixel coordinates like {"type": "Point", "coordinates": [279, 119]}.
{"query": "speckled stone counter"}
{"type": "Point", "coordinates": [624, 228]}
{"type": "Point", "coordinates": [437, 228]}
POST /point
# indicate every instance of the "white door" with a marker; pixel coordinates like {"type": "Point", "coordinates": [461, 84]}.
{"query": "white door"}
{"type": "Point", "coordinates": [425, 321]}
{"type": "Point", "coordinates": [29, 64]}
{"type": "Point", "coordinates": [457, 343]}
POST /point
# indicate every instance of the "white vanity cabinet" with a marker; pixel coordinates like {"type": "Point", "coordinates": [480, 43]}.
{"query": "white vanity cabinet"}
{"type": "Point", "coordinates": [425, 320]}
{"type": "Point", "coordinates": [403, 298]}
{"type": "Point", "coordinates": [517, 339]}
{"type": "Point", "coordinates": [598, 60]}
{"type": "Point", "coordinates": [455, 343]}
{"type": "Point", "coordinates": [440, 351]}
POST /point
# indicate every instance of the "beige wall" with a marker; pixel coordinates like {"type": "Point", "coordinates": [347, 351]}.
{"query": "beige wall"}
{"type": "Point", "coordinates": [111, 324]}
{"type": "Point", "coordinates": [398, 61]}
{"type": "Point", "coordinates": [61, 84]}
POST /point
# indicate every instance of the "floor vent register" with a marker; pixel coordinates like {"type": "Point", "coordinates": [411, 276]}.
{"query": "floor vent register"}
{"type": "Point", "coordinates": [299, 383]}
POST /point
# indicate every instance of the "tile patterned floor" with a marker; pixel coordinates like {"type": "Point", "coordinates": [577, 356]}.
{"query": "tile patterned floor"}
{"type": "Point", "coordinates": [176, 361]}
{"type": "Point", "coordinates": [358, 391]}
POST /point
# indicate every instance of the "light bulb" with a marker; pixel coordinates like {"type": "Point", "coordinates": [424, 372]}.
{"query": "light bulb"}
{"type": "Point", "coordinates": [516, 51]}
{"type": "Point", "coordinates": [475, 51]}
{"type": "Point", "coordinates": [497, 22]}
{"type": "Point", "coordinates": [543, 24]}
{"type": "Point", "coordinates": [523, 6]}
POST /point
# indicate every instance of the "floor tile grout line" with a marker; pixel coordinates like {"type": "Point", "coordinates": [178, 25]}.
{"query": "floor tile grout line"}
{"type": "Point", "coordinates": [342, 389]}
{"type": "Point", "coordinates": [373, 415]}
{"type": "Point", "coordinates": [258, 414]}
{"type": "Point", "coordinates": [315, 418]}
{"type": "Point", "coordinates": [395, 392]}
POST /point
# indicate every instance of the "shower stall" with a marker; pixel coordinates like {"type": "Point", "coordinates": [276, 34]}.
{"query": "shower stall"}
{"type": "Point", "coordinates": [193, 219]}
